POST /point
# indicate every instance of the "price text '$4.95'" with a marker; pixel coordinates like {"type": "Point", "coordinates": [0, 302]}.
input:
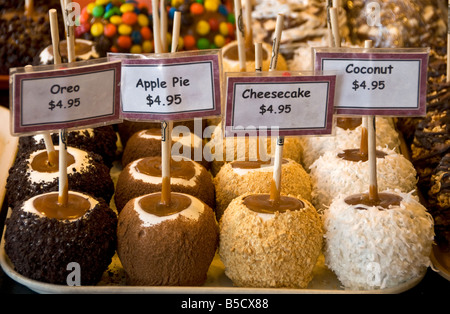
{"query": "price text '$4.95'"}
{"type": "Point", "coordinates": [168, 100]}
{"type": "Point", "coordinates": [374, 85]}
{"type": "Point", "coordinates": [59, 104]}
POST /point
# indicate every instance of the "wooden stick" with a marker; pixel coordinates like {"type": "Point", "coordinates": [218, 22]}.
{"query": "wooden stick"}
{"type": "Point", "coordinates": [372, 146]}
{"type": "Point", "coordinates": [63, 195]}
{"type": "Point", "coordinates": [373, 184]}
{"type": "Point", "coordinates": [166, 130]}
{"type": "Point", "coordinates": [331, 42]}
{"type": "Point", "coordinates": [176, 31]}
{"type": "Point", "coordinates": [335, 27]}
{"type": "Point", "coordinates": [70, 35]}
{"type": "Point", "coordinates": [156, 27]}
{"type": "Point", "coordinates": [248, 24]}
{"type": "Point", "coordinates": [164, 26]}
{"type": "Point", "coordinates": [29, 8]}
{"type": "Point", "coordinates": [275, 187]}
{"type": "Point", "coordinates": [258, 57]}
{"type": "Point", "coordinates": [54, 30]}
{"type": "Point", "coordinates": [276, 42]}
{"type": "Point", "coordinates": [240, 34]}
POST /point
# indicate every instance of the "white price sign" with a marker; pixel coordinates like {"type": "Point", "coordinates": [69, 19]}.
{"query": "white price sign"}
{"type": "Point", "coordinates": [175, 87]}
{"type": "Point", "coordinates": [377, 81]}
{"type": "Point", "coordinates": [285, 104]}
{"type": "Point", "coordinates": [64, 98]}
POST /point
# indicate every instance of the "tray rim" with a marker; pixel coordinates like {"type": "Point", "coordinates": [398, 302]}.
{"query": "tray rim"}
{"type": "Point", "coordinates": [48, 288]}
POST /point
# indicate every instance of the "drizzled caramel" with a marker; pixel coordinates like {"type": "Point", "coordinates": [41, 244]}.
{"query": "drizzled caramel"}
{"type": "Point", "coordinates": [348, 123]}
{"type": "Point", "coordinates": [41, 163]}
{"type": "Point", "coordinates": [252, 164]}
{"type": "Point", "coordinates": [261, 203]}
{"type": "Point", "coordinates": [356, 155]}
{"type": "Point", "coordinates": [383, 201]}
{"type": "Point", "coordinates": [152, 204]}
{"type": "Point", "coordinates": [151, 166]}
{"type": "Point", "coordinates": [49, 205]}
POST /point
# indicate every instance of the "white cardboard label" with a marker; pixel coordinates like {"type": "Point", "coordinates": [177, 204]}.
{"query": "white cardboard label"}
{"type": "Point", "coordinates": [292, 105]}
{"type": "Point", "coordinates": [66, 98]}
{"type": "Point", "coordinates": [172, 88]}
{"type": "Point", "coordinates": [377, 83]}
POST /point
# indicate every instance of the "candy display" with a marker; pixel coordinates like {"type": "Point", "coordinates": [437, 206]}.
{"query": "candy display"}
{"type": "Point", "coordinates": [31, 175]}
{"type": "Point", "coordinates": [144, 176]}
{"type": "Point", "coordinates": [305, 24]}
{"type": "Point", "coordinates": [160, 248]}
{"type": "Point", "coordinates": [23, 36]}
{"type": "Point", "coordinates": [224, 150]}
{"type": "Point", "coordinates": [116, 26]}
{"type": "Point", "coordinates": [239, 177]}
{"type": "Point", "coordinates": [99, 140]}
{"type": "Point", "coordinates": [373, 247]}
{"type": "Point", "coordinates": [439, 199]}
{"type": "Point", "coordinates": [147, 143]}
{"type": "Point", "coordinates": [261, 249]}
{"type": "Point", "coordinates": [336, 172]}
{"type": "Point", "coordinates": [210, 211]}
{"type": "Point", "coordinates": [126, 26]}
{"type": "Point", "coordinates": [404, 23]}
{"type": "Point", "coordinates": [348, 135]}
{"type": "Point", "coordinates": [42, 241]}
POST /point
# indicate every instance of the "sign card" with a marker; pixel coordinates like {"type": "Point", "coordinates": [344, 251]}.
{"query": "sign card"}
{"type": "Point", "coordinates": [279, 103]}
{"type": "Point", "coordinates": [377, 81]}
{"type": "Point", "coordinates": [176, 87]}
{"type": "Point", "coordinates": [63, 98]}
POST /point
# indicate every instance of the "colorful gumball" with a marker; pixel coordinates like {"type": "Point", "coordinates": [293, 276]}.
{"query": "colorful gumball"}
{"type": "Point", "coordinates": [143, 20]}
{"type": "Point", "coordinates": [129, 18]}
{"type": "Point", "coordinates": [196, 8]}
{"type": "Point", "coordinates": [116, 19]}
{"type": "Point", "coordinates": [147, 46]}
{"type": "Point", "coordinates": [213, 24]}
{"type": "Point", "coordinates": [211, 5]}
{"type": "Point", "coordinates": [203, 43]}
{"type": "Point", "coordinates": [98, 11]}
{"type": "Point", "coordinates": [124, 42]}
{"type": "Point", "coordinates": [223, 28]}
{"type": "Point", "coordinates": [136, 37]}
{"type": "Point", "coordinates": [202, 28]}
{"type": "Point", "coordinates": [110, 30]}
{"type": "Point", "coordinates": [124, 29]}
{"type": "Point", "coordinates": [127, 7]}
{"type": "Point", "coordinates": [126, 25]}
{"type": "Point", "coordinates": [219, 40]}
{"type": "Point", "coordinates": [97, 29]}
{"type": "Point", "coordinates": [136, 49]}
{"type": "Point", "coordinates": [189, 42]}
{"type": "Point", "coordinates": [146, 33]}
